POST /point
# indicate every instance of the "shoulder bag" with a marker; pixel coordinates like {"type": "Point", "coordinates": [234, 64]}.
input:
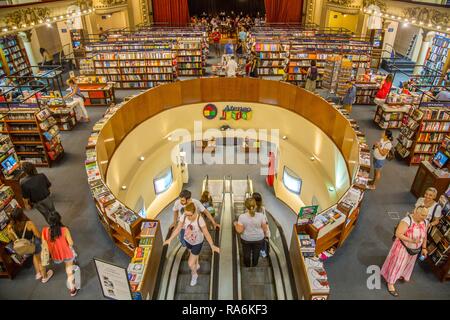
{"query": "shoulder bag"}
{"type": "Point", "coordinates": [23, 246]}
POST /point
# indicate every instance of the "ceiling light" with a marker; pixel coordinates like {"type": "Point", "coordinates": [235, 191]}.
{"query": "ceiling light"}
{"type": "Point", "coordinates": [32, 23]}
{"type": "Point", "coordinates": [49, 25]}
{"type": "Point", "coordinates": [142, 158]}
{"type": "Point", "coordinates": [14, 27]}
{"type": "Point", "coordinates": [392, 16]}
{"type": "Point", "coordinates": [330, 189]}
{"type": "Point", "coordinates": [169, 138]}
{"type": "Point", "coordinates": [84, 11]}
{"type": "Point", "coordinates": [369, 11]}
{"type": "Point", "coordinates": [90, 10]}
{"type": "Point", "coordinates": [67, 15]}
{"type": "Point", "coordinates": [406, 20]}
{"type": "Point", "coordinates": [312, 158]}
{"type": "Point", "coordinates": [24, 25]}
{"type": "Point", "coordinates": [5, 30]}
{"type": "Point", "coordinates": [40, 21]}
{"type": "Point", "coordinates": [405, 24]}
{"type": "Point", "coordinates": [438, 27]}
{"type": "Point", "coordinates": [421, 23]}
{"type": "Point", "coordinates": [448, 29]}
{"type": "Point", "coordinates": [61, 17]}
{"type": "Point", "coordinates": [284, 137]}
{"type": "Point", "coordinates": [430, 25]}
{"type": "Point", "coordinates": [124, 187]}
{"type": "Point", "coordinates": [413, 21]}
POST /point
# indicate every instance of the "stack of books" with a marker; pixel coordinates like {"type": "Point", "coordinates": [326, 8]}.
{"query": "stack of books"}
{"type": "Point", "coordinates": [307, 245]}
{"type": "Point", "coordinates": [317, 276]}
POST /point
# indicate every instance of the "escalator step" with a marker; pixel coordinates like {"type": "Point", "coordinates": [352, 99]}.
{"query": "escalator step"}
{"type": "Point", "coordinates": [258, 292]}
{"type": "Point", "coordinates": [257, 275]}
{"type": "Point", "coordinates": [184, 280]}
{"type": "Point", "coordinates": [205, 268]}
{"type": "Point", "coordinates": [192, 296]}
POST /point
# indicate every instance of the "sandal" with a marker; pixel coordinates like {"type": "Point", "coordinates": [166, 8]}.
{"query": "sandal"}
{"type": "Point", "coordinates": [73, 292]}
{"type": "Point", "coordinates": [38, 276]}
{"type": "Point", "coordinates": [393, 293]}
{"type": "Point", "coordinates": [49, 275]}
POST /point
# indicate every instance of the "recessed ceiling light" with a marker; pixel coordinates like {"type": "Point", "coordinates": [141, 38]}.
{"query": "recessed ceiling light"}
{"type": "Point", "coordinates": [124, 187]}
{"type": "Point", "coordinates": [330, 189]}
{"type": "Point", "coordinates": [312, 158]}
{"type": "Point", "coordinates": [438, 27]}
{"type": "Point", "coordinates": [284, 137]}
{"type": "Point", "coordinates": [5, 30]}
{"type": "Point", "coordinates": [142, 158]}
{"type": "Point", "coordinates": [14, 27]}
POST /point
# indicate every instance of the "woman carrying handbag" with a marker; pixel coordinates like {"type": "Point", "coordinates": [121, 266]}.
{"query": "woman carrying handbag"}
{"type": "Point", "coordinates": [20, 224]}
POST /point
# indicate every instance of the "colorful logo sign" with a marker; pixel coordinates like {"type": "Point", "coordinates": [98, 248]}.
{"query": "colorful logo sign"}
{"type": "Point", "coordinates": [236, 113]}
{"type": "Point", "coordinates": [210, 111]}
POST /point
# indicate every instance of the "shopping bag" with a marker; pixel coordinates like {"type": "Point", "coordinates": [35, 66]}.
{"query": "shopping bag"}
{"type": "Point", "coordinates": [76, 271]}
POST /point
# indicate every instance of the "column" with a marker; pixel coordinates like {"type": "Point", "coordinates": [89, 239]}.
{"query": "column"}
{"type": "Point", "coordinates": [25, 36]}
{"type": "Point", "coordinates": [427, 40]}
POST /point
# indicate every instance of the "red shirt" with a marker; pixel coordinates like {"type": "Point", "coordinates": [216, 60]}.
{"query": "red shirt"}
{"type": "Point", "coordinates": [59, 248]}
{"type": "Point", "coordinates": [216, 36]}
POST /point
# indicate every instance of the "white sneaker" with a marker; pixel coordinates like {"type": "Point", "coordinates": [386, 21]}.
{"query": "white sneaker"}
{"type": "Point", "coordinates": [194, 280]}
{"type": "Point", "coordinates": [262, 253]}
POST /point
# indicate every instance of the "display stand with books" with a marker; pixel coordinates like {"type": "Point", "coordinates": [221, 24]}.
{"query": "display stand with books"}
{"type": "Point", "coordinates": [10, 262]}
{"type": "Point", "coordinates": [439, 241]}
{"type": "Point", "coordinates": [10, 173]}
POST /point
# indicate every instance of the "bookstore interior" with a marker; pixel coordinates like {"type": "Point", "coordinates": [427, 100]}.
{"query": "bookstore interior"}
{"type": "Point", "coordinates": [125, 105]}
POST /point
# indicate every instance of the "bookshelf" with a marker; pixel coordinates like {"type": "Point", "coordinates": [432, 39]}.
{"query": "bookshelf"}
{"type": "Point", "coordinates": [344, 75]}
{"type": "Point", "coordinates": [190, 58]}
{"type": "Point", "coordinates": [330, 74]}
{"type": "Point", "coordinates": [144, 265]}
{"type": "Point", "coordinates": [422, 133]}
{"type": "Point", "coordinates": [135, 69]}
{"type": "Point", "coordinates": [34, 134]}
{"type": "Point", "coordinates": [365, 92]}
{"type": "Point", "coordinates": [437, 56]}
{"type": "Point", "coordinates": [77, 38]}
{"type": "Point", "coordinates": [10, 262]}
{"type": "Point", "coordinates": [439, 240]}
{"type": "Point", "coordinates": [13, 56]}
{"type": "Point", "coordinates": [271, 55]}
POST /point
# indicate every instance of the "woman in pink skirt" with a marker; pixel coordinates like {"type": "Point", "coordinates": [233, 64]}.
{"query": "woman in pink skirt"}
{"type": "Point", "coordinates": [411, 233]}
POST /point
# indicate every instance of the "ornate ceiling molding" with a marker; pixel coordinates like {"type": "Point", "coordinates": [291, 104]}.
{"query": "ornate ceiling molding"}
{"type": "Point", "coordinates": [379, 3]}
{"type": "Point", "coordinates": [28, 16]}
{"type": "Point", "coordinates": [110, 6]}
{"type": "Point", "coordinates": [427, 15]}
{"type": "Point", "coordinates": [344, 6]}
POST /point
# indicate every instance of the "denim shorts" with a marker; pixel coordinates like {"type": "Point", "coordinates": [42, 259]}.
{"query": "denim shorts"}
{"type": "Point", "coordinates": [194, 249]}
{"type": "Point", "coordinates": [378, 164]}
{"type": "Point", "coordinates": [37, 245]}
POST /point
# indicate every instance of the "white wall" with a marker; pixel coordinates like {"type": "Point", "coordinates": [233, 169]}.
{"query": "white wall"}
{"type": "Point", "coordinates": [404, 37]}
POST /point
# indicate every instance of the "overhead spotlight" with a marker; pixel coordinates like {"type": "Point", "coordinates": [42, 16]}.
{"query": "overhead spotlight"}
{"type": "Point", "coordinates": [284, 137]}
{"type": "Point", "coordinates": [32, 23]}
{"type": "Point", "coordinates": [141, 158]}
{"type": "Point", "coordinates": [90, 10]}
{"type": "Point", "coordinates": [5, 30]}
{"type": "Point", "coordinates": [448, 29]}
{"type": "Point", "coordinates": [406, 20]}
{"type": "Point", "coordinates": [405, 24]}
{"type": "Point", "coordinates": [24, 25]}
{"type": "Point", "coordinates": [14, 27]}
{"type": "Point", "coordinates": [331, 189]}
{"type": "Point", "coordinates": [61, 17]}
{"type": "Point", "coordinates": [49, 25]}
{"type": "Point", "coordinates": [393, 17]}
{"type": "Point", "coordinates": [438, 27]}
{"type": "Point", "coordinates": [40, 21]}
{"type": "Point", "coordinates": [312, 158]}
{"type": "Point", "coordinates": [67, 15]}
{"type": "Point", "coordinates": [47, 20]}
{"type": "Point", "coordinates": [430, 25]}
{"type": "Point", "coordinates": [413, 21]}
{"type": "Point", "coordinates": [169, 138]}
{"type": "Point", "coordinates": [124, 187]}
{"type": "Point", "coordinates": [85, 11]}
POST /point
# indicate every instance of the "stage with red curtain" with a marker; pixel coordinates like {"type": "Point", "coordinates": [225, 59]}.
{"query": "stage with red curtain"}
{"type": "Point", "coordinates": [176, 12]}
{"type": "Point", "coordinates": [283, 11]}
{"type": "Point", "coordinates": [173, 12]}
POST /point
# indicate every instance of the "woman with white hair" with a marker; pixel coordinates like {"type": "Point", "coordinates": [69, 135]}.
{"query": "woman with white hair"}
{"type": "Point", "coordinates": [433, 207]}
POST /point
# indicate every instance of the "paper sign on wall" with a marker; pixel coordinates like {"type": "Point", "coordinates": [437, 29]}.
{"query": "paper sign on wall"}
{"type": "Point", "coordinates": [113, 280]}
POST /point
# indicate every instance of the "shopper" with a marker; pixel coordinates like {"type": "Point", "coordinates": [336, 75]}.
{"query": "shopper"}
{"type": "Point", "coordinates": [385, 88]}
{"type": "Point", "coordinates": [252, 227]}
{"type": "Point", "coordinates": [59, 242]}
{"type": "Point", "coordinates": [231, 67]}
{"type": "Point", "coordinates": [46, 58]}
{"type": "Point", "coordinates": [21, 227]}
{"type": "Point", "coordinates": [229, 49]}
{"type": "Point", "coordinates": [260, 209]}
{"type": "Point", "coordinates": [434, 208]}
{"type": "Point", "coordinates": [405, 89]}
{"type": "Point", "coordinates": [183, 200]}
{"type": "Point", "coordinates": [410, 242]}
{"type": "Point", "coordinates": [243, 35]}
{"type": "Point", "coordinates": [311, 77]}
{"type": "Point", "coordinates": [350, 96]}
{"type": "Point", "coordinates": [75, 93]}
{"type": "Point", "coordinates": [207, 201]}
{"type": "Point", "coordinates": [381, 150]}
{"type": "Point", "coordinates": [254, 66]}
{"type": "Point", "coordinates": [195, 231]}
{"type": "Point", "coordinates": [239, 48]}
{"type": "Point", "coordinates": [36, 190]}
{"type": "Point", "coordinates": [101, 34]}
{"type": "Point", "coordinates": [216, 36]}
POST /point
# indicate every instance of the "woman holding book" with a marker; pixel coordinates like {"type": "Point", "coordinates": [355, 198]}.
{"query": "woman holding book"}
{"type": "Point", "coordinates": [195, 231]}
{"type": "Point", "coordinates": [21, 226]}
{"type": "Point", "coordinates": [252, 227]}
{"type": "Point", "coordinates": [410, 242]}
{"type": "Point", "coordinates": [58, 240]}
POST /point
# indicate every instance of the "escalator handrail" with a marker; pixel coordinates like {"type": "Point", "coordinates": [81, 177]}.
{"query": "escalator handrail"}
{"type": "Point", "coordinates": [162, 262]}
{"type": "Point", "coordinates": [286, 253]}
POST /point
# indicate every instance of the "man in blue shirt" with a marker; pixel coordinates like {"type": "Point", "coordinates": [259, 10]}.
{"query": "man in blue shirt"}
{"type": "Point", "coordinates": [243, 35]}
{"type": "Point", "coordinates": [229, 49]}
{"type": "Point", "coordinates": [350, 97]}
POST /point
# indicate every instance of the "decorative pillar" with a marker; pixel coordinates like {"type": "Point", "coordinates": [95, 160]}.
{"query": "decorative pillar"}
{"type": "Point", "coordinates": [25, 36]}
{"type": "Point", "coordinates": [427, 39]}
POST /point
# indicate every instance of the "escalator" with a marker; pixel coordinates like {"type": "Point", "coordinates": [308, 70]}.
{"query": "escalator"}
{"type": "Point", "coordinates": [272, 278]}
{"type": "Point", "coordinates": [176, 274]}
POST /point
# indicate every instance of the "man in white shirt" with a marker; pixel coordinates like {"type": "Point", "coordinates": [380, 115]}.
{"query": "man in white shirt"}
{"type": "Point", "coordinates": [380, 152]}
{"type": "Point", "coordinates": [183, 200]}
{"type": "Point", "coordinates": [231, 67]}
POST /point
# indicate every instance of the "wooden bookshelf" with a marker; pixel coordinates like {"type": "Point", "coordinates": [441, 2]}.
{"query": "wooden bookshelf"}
{"type": "Point", "coordinates": [365, 92]}
{"type": "Point", "coordinates": [422, 133]}
{"type": "Point", "coordinates": [77, 38]}
{"type": "Point", "coordinates": [34, 134]}
{"type": "Point", "coordinates": [190, 60]}
{"type": "Point", "coordinates": [13, 57]}
{"type": "Point", "coordinates": [390, 116]}
{"type": "Point", "coordinates": [271, 54]}
{"type": "Point", "coordinates": [437, 58]}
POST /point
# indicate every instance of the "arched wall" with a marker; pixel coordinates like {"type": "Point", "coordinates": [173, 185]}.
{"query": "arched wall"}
{"type": "Point", "coordinates": [327, 122]}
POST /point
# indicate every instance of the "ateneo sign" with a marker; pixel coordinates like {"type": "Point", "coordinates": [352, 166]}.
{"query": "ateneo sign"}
{"type": "Point", "coordinates": [228, 113]}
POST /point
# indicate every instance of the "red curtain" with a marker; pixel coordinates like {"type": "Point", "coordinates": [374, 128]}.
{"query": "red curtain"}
{"type": "Point", "coordinates": [175, 12]}
{"type": "Point", "coordinates": [283, 10]}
